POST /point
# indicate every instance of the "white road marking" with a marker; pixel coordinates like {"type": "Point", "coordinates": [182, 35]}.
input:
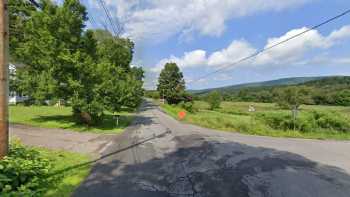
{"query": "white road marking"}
{"type": "Point", "coordinates": [105, 147]}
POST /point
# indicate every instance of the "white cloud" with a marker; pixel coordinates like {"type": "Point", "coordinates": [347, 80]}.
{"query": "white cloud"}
{"type": "Point", "coordinates": [237, 50]}
{"type": "Point", "coordinates": [292, 52]}
{"type": "Point", "coordinates": [326, 60]}
{"type": "Point", "coordinates": [163, 18]}
{"type": "Point", "coordinates": [340, 34]}
{"type": "Point", "coordinates": [296, 49]}
{"type": "Point", "coordinates": [190, 59]}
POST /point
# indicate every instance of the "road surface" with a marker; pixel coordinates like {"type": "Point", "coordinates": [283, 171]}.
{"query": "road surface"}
{"type": "Point", "coordinates": [158, 157]}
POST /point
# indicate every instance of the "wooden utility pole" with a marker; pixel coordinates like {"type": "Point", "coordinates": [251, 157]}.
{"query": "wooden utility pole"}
{"type": "Point", "coordinates": [4, 54]}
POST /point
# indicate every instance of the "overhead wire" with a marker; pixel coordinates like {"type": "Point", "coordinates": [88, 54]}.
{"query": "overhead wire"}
{"type": "Point", "coordinates": [272, 46]}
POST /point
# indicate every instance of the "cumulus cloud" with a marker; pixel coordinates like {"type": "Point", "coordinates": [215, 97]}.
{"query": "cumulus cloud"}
{"type": "Point", "coordinates": [326, 60]}
{"type": "Point", "coordinates": [339, 35]}
{"type": "Point", "coordinates": [298, 47]}
{"type": "Point", "coordinates": [237, 50]}
{"type": "Point", "coordinates": [161, 19]}
{"type": "Point", "coordinates": [291, 52]}
{"type": "Point", "coordinates": [190, 59]}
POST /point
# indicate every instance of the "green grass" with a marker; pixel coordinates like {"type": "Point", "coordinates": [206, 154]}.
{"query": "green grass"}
{"type": "Point", "coordinates": [55, 117]}
{"type": "Point", "coordinates": [71, 178]}
{"type": "Point", "coordinates": [234, 117]}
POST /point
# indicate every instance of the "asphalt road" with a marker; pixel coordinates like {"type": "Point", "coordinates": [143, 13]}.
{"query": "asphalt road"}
{"type": "Point", "coordinates": [158, 156]}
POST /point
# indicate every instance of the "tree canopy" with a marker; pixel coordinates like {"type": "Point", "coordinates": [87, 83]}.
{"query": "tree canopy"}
{"type": "Point", "coordinates": [58, 58]}
{"type": "Point", "coordinates": [171, 84]}
{"type": "Point", "coordinates": [214, 99]}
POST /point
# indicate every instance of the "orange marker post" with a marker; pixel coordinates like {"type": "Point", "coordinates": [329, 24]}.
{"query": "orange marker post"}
{"type": "Point", "coordinates": [181, 115]}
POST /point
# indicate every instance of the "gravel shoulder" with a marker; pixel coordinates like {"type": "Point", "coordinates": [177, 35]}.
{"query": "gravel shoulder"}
{"type": "Point", "coordinates": [87, 143]}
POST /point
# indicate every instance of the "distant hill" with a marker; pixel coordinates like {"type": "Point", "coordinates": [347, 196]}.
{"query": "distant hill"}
{"type": "Point", "coordinates": [272, 83]}
{"type": "Point", "coordinates": [333, 90]}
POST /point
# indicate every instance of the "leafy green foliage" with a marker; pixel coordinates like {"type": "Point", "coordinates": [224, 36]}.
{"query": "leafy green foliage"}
{"type": "Point", "coordinates": [342, 98]}
{"type": "Point", "coordinates": [214, 99]}
{"type": "Point", "coordinates": [24, 172]}
{"type": "Point", "coordinates": [171, 84]}
{"type": "Point", "coordinates": [307, 121]}
{"type": "Point", "coordinates": [152, 94]}
{"type": "Point", "coordinates": [292, 97]}
{"type": "Point", "coordinates": [29, 172]}
{"type": "Point", "coordinates": [320, 122]}
{"type": "Point", "coordinates": [60, 60]}
{"type": "Point", "coordinates": [61, 117]}
{"type": "Point", "coordinates": [188, 106]}
{"type": "Point", "coordinates": [319, 91]}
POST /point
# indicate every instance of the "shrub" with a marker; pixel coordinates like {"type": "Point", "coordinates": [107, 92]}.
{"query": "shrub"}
{"type": "Point", "coordinates": [306, 121]}
{"type": "Point", "coordinates": [152, 94]}
{"type": "Point", "coordinates": [331, 120]}
{"type": "Point", "coordinates": [188, 106]}
{"type": "Point", "coordinates": [343, 98]}
{"type": "Point", "coordinates": [24, 172]}
{"type": "Point", "coordinates": [214, 99]}
{"type": "Point", "coordinates": [275, 120]}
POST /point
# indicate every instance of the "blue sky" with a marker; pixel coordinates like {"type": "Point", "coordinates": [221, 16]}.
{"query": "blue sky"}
{"type": "Point", "coordinates": [202, 36]}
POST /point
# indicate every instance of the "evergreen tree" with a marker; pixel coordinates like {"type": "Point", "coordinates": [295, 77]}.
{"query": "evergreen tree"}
{"type": "Point", "coordinates": [171, 84]}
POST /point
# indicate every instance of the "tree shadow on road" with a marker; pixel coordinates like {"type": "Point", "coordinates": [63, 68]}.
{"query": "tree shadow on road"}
{"type": "Point", "coordinates": [200, 168]}
{"type": "Point", "coordinates": [69, 122]}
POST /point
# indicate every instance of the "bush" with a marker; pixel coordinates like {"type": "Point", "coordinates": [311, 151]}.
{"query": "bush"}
{"type": "Point", "coordinates": [188, 106]}
{"type": "Point", "coordinates": [276, 120]}
{"type": "Point", "coordinates": [331, 120]}
{"type": "Point", "coordinates": [214, 99]}
{"type": "Point", "coordinates": [24, 172]}
{"type": "Point", "coordinates": [342, 98]}
{"type": "Point", "coordinates": [307, 121]}
{"type": "Point", "coordinates": [152, 94]}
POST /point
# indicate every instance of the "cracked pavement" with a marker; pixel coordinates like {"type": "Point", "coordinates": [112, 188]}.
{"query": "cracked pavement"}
{"type": "Point", "coordinates": [158, 156]}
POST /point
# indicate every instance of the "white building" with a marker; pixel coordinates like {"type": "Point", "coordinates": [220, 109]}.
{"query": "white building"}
{"type": "Point", "coordinates": [15, 97]}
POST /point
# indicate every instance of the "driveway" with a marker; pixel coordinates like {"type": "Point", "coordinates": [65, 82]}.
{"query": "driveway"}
{"type": "Point", "coordinates": [158, 156]}
{"type": "Point", "coordinates": [87, 143]}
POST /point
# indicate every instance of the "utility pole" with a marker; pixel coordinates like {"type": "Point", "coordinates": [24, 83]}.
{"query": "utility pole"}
{"type": "Point", "coordinates": [4, 54]}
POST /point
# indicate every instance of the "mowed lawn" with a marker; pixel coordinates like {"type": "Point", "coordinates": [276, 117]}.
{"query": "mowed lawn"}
{"type": "Point", "coordinates": [73, 168]}
{"type": "Point", "coordinates": [61, 117]}
{"type": "Point", "coordinates": [235, 117]}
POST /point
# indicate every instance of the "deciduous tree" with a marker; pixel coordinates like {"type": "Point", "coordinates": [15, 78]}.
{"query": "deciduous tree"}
{"type": "Point", "coordinates": [214, 99]}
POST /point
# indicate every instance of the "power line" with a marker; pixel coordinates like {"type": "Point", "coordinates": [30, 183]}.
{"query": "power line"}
{"type": "Point", "coordinates": [92, 20]}
{"type": "Point", "coordinates": [116, 30]}
{"type": "Point", "coordinates": [272, 46]}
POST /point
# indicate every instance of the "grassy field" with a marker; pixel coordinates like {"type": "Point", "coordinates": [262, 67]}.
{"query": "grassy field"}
{"type": "Point", "coordinates": [234, 116]}
{"type": "Point", "coordinates": [54, 117]}
{"type": "Point", "coordinates": [72, 178]}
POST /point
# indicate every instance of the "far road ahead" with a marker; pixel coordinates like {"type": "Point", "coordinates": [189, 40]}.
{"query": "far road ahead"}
{"type": "Point", "coordinates": [198, 162]}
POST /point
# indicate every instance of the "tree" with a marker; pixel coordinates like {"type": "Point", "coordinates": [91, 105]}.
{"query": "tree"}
{"type": "Point", "coordinates": [171, 84]}
{"type": "Point", "coordinates": [62, 60]}
{"type": "Point", "coordinates": [292, 97]}
{"type": "Point", "coordinates": [214, 99]}
{"type": "Point", "coordinates": [20, 12]}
